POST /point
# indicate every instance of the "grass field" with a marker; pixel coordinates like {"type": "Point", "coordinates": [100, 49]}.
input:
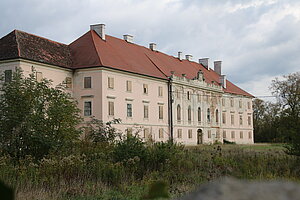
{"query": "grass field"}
{"type": "Point", "coordinates": [95, 176]}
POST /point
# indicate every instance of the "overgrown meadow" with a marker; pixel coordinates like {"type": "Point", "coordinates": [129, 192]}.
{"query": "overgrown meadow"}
{"type": "Point", "coordinates": [130, 168]}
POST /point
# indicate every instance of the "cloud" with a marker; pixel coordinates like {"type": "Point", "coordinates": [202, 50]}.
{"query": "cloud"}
{"type": "Point", "coordinates": [256, 40]}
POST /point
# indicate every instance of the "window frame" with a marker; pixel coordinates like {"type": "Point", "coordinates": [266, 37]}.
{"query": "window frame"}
{"type": "Point", "coordinates": [111, 108]}
{"type": "Point", "coordinates": [87, 112]}
{"type": "Point", "coordinates": [8, 75]}
{"type": "Point", "coordinates": [87, 82]}
{"type": "Point", "coordinates": [129, 110]}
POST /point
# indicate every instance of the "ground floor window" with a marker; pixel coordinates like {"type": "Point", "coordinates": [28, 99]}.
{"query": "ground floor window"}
{"type": "Point", "coordinates": [179, 133]}
{"type": "Point", "coordinates": [161, 133]}
{"type": "Point", "coordinates": [190, 133]}
{"type": "Point", "coordinates": [224, 134]}
{"type": "Point", "coordinates": [87, 108]}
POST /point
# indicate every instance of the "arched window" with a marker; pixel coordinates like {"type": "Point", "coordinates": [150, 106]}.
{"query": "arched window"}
{"type": "Point", "coordinates": [199, 114]}
{"type": "Point", "coordinates": [178, 112]}
{"type": "Point", "coordinates": [208, 115]}
{"type": "Point", "coordinates": [217, 116]}
{"type": "Point", "coordinates": [189, 114]}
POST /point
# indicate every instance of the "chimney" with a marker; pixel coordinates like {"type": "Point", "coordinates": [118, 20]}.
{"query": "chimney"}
{"type": "Point", "coordinates": [218, 67]}
{"type": "Point", "coordinates": [99, 29]}
{"type": "Point", "coordinates": [204, 62]}
{"type": "Point", "coordinates": [128, 38]}
{"type": "Point", "coordinates": [223, 80]}
{"type": "Point", "coordinates": [189, 57]}
{"type": "Point", "coordinates": [179, 55]}
{"type": "Point", "coordinates": [152, 46]}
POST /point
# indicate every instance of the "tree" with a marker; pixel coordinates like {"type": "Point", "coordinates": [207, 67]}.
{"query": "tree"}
{"type": "Point", "coordinates": [36, 118]}
{"type": "Point", "coordinates": [288, 95]}
{"type": "Point", "coordinates": [266, 121]}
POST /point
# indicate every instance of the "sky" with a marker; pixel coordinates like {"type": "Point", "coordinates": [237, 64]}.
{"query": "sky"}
{"type": "Point", "coordinates": [256, 40]}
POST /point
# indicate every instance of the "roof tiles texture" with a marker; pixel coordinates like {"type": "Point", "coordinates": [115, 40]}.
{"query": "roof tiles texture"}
{"type": "Point", "coordinates": [18, 44]}
{"type": "Point", "coordinates": [91, 51]}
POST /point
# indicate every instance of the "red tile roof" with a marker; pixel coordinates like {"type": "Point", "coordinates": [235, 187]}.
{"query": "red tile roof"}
{"type": "Point", "coordinates": [19, 44]}
{"type": "Point", "coordinates": [91, 51]}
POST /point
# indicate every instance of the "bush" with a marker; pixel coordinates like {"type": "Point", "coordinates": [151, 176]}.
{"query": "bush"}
{"type": "Point", "coordinates": [36, 118]}
{"type": "Point", "coordinates": [228, 142]}
{"type": "Point", "coordinates": [162, 152]}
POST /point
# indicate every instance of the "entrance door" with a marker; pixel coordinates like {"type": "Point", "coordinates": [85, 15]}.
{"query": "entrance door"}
{"type": "Point", "coordinates": [199, 136]}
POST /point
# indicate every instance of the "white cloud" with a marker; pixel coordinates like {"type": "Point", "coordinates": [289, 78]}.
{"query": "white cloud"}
{"type": "Point", "coordinates": [256, 40]}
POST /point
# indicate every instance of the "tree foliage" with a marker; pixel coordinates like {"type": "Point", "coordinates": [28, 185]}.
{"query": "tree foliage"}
{"type": "Point", "coordinates": [266, 122]}
{"type": "Point", "coordinates": [288, 95]}
{"type": "Point", "coordinates": [279, 121]}
{"type": "Point", "coordinates": [36, 118]}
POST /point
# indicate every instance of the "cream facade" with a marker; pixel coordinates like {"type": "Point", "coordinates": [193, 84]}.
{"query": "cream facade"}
{"type": "Point", "coordinates": [140, 102]}
{"type": "Point", "coordinates": [138, 86]}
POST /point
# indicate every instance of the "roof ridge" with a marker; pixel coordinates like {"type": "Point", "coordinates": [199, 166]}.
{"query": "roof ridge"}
{"type": "Point", "coordinates": [17, 41]}
{"type": "Point", "coordinates": [98, 56]}
{"type": "Point", "coordinates": [155, 65]}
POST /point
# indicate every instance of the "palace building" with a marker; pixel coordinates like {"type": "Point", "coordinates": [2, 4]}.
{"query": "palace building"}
{"type": "Point", "coordinates": [162, 96]}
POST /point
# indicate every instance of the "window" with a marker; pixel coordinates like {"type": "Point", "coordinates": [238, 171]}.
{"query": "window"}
{"type": "Point", "coordinates": [223, 102]}
{"type": "Point", "coordinates": [232, 134]}
{"type": "Point", "coordinates": [250, 135]}
{"type": "Point", "coordinates": [240, 103]}
{"type": "Point", "coordinates": [189, 114]}
{"type": "Point", "coordinates": [111, 109]}
{"type": "Point", "coordinates": [232, 119]}
{"type": "Point", "coordinates": [218, 134]}
{"type": "Point", "coordinates": [179, 133]}
{"type": "Point", "coordinates": [224, 134]}
{"type": "Point", "coordinates": [177, 94]}
{"type": "Point", "coordinates": [160, 112]}
{"type": "Point", "coordinates": [199, 114]}
{"type": "Point", "coordinates": [147, 133]}
{"type": "Point", "coordinates": [129, 131]}
{"type": "Point", "coordinates": [146, 111]}
{"type": "Point", "coordinates": [128, 86]}
{"type": "Point", "coordinates": [68, 82]}
{"type": "Point", "coordinates": [129, 110]}
{"type": "Point", "coordinates": [178, 112]}
{"type": "Point", "coordinates": [145, 88]}
{"type": "Point", "coordinates": [160, 91]}
{"type": "Point", "coordinates": [87, 108]}
{"type": "Point", "coordinates": [190, 133]}
{"type": "Point", "coordinates": [39, 76]}
{"type": "Point", "coordinates": [7, 76]}
{"type": "Point", "coordinates": [241, 120]}
{"type": "Point", "coordinates": [224, 118]}
{"type": "Point", "coordinates": [110, 82]}
{"type": "Point", "coordinates": [208, 115]}
{"type": "Point", "coordinates": [249, 120]}
{"type": "Point", "coordinates": [241, 134]}
{"type": "Point", "coordinates": [217, 116]}
{"type": "Point", "coordinates": [231, 102]}
{"type": "Point", "coordinates": [188, 95]}
{"type": "Point", "coordinates": [248, 105]}
{"type": "Point", "coordinates": [209, 133]}
{"type": "Point", "coordinates": [161, 133]}
{"type": "Point", "coordinates": [87, 82]}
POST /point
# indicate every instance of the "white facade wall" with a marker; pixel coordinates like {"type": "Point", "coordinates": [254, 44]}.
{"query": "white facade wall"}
{"type": "Point", "coordinates": [58, 75]}
{"type": "Point", "coordinates": [201, 94]}
{"type": "Point", "coordinates": [100, 94]}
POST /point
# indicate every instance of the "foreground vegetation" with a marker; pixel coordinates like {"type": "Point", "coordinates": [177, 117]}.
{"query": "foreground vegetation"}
{"type": "Point", "coordinates": [42, 157]}
{"type": "Point", "coordinates": [107, 172]}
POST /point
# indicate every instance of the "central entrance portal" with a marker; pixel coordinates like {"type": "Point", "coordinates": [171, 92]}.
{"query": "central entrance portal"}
{"type": "Point", "coordinates": [199, 136]}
